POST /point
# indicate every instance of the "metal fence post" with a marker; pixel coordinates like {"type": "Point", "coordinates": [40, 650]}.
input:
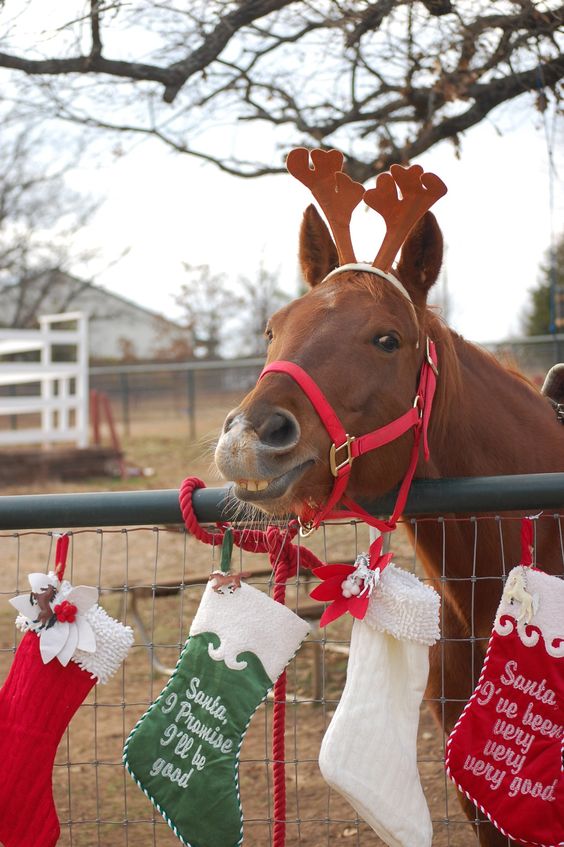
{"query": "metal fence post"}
{"type": "Point", "coordinates": [125, 401]}
{"type": "Point", "coordinates": [191, 400]}
{"type": "Point", "coordinates": [12, 392]}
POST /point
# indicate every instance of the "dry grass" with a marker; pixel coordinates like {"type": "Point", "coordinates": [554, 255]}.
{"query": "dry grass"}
{"type": "Point", "coordinates": [97, 802]}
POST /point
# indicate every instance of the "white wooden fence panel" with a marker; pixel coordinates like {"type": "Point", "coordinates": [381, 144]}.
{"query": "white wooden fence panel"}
{"type": "Point", "coordinates": [63, 387]}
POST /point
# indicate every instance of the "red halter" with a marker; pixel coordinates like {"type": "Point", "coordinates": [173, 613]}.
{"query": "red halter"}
{"type": "Point", "coordinates": [346, 448]}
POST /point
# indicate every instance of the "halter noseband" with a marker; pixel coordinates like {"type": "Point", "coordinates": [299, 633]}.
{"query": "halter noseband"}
{"type": "Point", "coordinates": [346, 448]}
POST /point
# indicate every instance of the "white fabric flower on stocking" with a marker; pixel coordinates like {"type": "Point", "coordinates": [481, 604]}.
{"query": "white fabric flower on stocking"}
{"type": "Point", "coordinates": [58, 613]}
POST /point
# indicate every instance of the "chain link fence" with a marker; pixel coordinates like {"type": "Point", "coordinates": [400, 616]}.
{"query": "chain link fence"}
{"type": "Point", "coordinates": [150, 393]}
{"type": "Point", "coordinates": [533, 356]}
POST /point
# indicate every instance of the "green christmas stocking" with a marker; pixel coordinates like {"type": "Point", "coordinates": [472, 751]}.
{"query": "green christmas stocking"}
{"type": "Point", "coordinates": [184, 751]}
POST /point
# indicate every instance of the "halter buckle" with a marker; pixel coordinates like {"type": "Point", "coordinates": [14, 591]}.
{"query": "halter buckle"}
{"type": "Point", "coordinates": [429, 358]}
{"type": "Point", "coordinates": [346, 445]}
{"type": "Point", "coordinates": [306, 528]}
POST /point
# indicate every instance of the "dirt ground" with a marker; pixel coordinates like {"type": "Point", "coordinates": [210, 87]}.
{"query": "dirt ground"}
{"type": "Point", "coordinates": [97, 802]}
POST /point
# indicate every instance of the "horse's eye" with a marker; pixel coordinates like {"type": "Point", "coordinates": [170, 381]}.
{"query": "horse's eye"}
{"type": "Point", "coordinates": [388, 343]}
{"type": "Point", "coordinates": [268, 334]}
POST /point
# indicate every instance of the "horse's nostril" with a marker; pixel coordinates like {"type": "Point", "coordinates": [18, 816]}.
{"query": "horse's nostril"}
{"type": "Point", "coordinates": [228, 422]}
{"type": "Point", "coordinates": [281, 429]}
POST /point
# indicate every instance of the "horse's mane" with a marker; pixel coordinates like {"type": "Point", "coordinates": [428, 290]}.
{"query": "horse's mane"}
{"type": "Point", "coordinates": [451, 346]}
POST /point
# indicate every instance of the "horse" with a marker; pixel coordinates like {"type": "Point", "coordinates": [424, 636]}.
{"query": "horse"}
{"type": "Point", "coordinates": [363, 341]}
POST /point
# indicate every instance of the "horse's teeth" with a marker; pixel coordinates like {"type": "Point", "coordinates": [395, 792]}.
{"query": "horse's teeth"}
{"type": "Point", "coordinates": [253, 484]}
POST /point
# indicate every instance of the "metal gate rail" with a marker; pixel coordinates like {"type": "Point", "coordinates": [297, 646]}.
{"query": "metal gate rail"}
{"type": "Point", "coordinates": [467, 495]}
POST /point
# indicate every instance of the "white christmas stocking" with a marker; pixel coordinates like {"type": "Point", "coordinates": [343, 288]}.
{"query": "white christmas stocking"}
{"type": "Point", "coordinates": [369, 752]}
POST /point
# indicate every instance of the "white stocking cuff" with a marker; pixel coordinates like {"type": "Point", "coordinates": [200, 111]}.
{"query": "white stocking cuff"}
{"type": "Point", "coordinates": [247, 619]}
{"type": "Point", "coordinates": [113, 641]}
{"type": "Point", "coordinates": [404, 607]}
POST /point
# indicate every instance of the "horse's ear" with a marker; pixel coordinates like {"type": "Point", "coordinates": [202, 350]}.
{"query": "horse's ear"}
{"type": "Point", "coordinates": [421, 258]}
{"type": "Point", "coordinates": [318, 254]}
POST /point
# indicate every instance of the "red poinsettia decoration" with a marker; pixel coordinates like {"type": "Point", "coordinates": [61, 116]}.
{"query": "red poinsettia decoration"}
{"type": "Point", "coordinates": [350, 587]}
{"type": "Point", "coordinates": [66, 612]}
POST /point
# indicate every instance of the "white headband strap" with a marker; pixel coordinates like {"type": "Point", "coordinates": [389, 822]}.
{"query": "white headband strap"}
{"type": "Point", "coordinates": [366, 268]}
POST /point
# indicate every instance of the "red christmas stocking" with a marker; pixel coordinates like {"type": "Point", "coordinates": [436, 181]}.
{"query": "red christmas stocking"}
{"type": "Point", "coordinates": [505, 752]}
{"type": "Point", "coordinates": [69, 646]}
{"type": "Point", "coordinates": [37, 702]}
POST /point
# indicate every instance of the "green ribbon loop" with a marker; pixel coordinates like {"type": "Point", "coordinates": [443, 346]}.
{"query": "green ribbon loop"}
{"type": "Point", "coordinates": [226, 550]}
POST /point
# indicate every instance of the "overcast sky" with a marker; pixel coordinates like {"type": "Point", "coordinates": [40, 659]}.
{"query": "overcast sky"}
{"type": "Point", "coordinates": [168, 208]}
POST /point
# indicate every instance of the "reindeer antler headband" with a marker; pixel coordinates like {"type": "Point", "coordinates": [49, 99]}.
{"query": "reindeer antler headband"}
{"type": "Point", "coordinates": [402, 197]}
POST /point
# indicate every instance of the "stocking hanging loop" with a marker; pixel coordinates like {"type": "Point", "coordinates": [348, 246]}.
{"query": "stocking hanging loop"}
{"type": "Point", "coordinates": [61, 552]}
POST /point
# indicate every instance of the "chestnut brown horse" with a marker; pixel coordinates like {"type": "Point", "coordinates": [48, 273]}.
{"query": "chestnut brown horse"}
{"type": "Point", "coordinates": [362, 342]}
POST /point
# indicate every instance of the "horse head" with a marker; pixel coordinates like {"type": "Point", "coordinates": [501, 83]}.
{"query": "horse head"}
{"type": "Point", "coordinates": [359, 334]}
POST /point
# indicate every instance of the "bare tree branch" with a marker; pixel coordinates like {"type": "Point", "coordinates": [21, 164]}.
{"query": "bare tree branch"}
{"type": "Point", "coordinates": [486, 98]}
{"type": "Point", "coordinates": [87, 65]}
{"type": "Point", "coordinates": [247, 12]}
{"type": "Point", "coordinates": [96, 50]}
{"type": "Point", "coordinates": [370, 19]}
{"type": "Point", "coordinates": [39, 219]}
{"type": "Point", "coordinates": [399, 75]}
